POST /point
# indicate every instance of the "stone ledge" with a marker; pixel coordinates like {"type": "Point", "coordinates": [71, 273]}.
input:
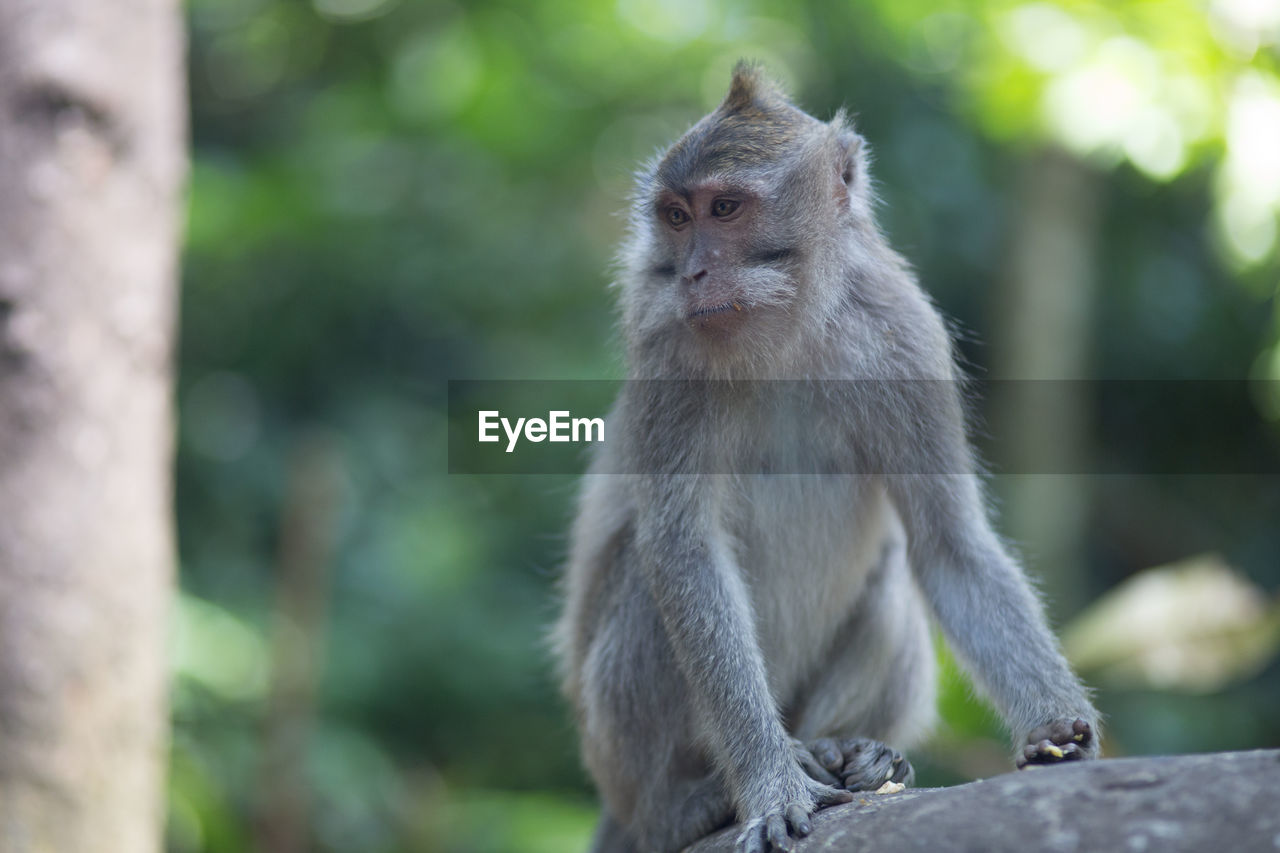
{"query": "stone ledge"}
{"type": "Point", "coordinates": [1170, 804]}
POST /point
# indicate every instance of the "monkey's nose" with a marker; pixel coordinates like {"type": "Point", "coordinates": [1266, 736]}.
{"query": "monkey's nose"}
{"type": "Point", "coordinates": [698, 276]}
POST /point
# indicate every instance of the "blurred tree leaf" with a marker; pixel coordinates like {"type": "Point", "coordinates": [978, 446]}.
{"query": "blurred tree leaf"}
{"type": "Point", "coordinates": [1195, 625]}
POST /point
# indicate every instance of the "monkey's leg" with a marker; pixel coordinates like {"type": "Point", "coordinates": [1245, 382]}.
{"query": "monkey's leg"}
{"type": "Point", "coordinates": [677, 799]}
{"type": "Point", "coordinates": [877, 686]}
{"type": "Point", "coordinates": [688, 801]}
{"type": "Point", "coordinates": [610, 837]}
{"type": "Point", "coordinates": [639, 738]}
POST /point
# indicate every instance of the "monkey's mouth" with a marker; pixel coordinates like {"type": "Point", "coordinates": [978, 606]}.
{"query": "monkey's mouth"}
{"type": "Point", "coordinates": [715, 309]}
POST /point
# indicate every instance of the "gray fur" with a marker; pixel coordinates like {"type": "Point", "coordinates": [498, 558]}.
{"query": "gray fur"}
{"type": "Point", "coordinates": [710, 618]}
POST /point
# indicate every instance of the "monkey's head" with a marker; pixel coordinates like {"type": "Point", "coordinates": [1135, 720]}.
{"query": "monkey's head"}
{"type": "Point", "coordinates": [735, 225]}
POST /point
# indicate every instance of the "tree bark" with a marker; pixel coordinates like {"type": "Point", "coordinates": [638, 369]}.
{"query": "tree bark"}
{"type": "Point", "coordinates": [92, 160]}
{"type": "Point", "coordinates": [1176, 804]}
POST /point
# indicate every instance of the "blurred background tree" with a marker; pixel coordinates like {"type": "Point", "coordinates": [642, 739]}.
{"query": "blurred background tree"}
{"type": "Point", "coordinates": [388, 195]}
{"type": "Point", "coordinates": [93, 157]}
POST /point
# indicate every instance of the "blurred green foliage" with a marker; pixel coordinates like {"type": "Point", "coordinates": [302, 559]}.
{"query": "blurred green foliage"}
{"type": "Point", "coordinates": [387, 195]}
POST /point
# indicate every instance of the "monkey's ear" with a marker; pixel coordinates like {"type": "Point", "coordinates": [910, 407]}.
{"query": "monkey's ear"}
{"type": "Point", "coordinates": [850, 160]}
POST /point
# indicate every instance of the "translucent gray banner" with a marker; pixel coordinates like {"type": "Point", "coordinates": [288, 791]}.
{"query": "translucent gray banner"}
{"type": "Point", "coordinates": [1069, 427]}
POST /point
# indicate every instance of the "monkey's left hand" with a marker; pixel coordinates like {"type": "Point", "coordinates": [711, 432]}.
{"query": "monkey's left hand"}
{"type": "Point", "coordinates": [1061, 740]}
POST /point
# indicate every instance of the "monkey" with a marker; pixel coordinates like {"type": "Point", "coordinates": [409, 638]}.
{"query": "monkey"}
{"type": "Point", "coordinates": [788, 503]}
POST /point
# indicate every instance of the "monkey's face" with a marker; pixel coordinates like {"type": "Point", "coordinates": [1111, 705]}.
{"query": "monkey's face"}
{"type": "Point", "coordinates": [732, 227]}
{"type": "Point", "coordinates": [727, 270]}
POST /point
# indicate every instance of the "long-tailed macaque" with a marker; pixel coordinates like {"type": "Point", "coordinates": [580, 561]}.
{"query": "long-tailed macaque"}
{"type": "Point", "coordinates": [788, 496]}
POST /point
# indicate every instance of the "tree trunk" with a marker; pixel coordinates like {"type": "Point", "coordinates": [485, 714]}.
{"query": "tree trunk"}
{"type": "Point", "coordinates": [92, 159]}
{"type": "Point", "coordinates": [307, 538]}
{"type": "Point", "coordinates": [1043, 328]}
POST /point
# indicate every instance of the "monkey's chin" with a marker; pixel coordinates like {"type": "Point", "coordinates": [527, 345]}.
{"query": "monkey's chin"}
{"type": "Point", "coordinates": [717, 322]}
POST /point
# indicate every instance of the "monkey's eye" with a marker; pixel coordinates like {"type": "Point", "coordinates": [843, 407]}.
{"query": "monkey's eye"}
{"type": "Point", "coordinates": [722, 207]}
{"type": "Point", "coordinates": [676, 217]}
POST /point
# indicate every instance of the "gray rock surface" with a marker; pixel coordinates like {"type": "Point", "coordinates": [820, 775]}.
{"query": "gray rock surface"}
{"type": "Point", "coordinates": [1218, 802]}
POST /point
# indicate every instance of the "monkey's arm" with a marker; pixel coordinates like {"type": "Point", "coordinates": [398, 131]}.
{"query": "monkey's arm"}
{"type": "Point", "coordinates": [706, 613]}
{"type": "Point", "coordinates": [996, 626]}
{"type": "Point", "coordinates": [986, 607]}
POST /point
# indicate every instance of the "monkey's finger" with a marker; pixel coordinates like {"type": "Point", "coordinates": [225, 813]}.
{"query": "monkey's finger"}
{"type": "Point", "coordinates": [1071, 752]}
{"type": "Point", "coordinates": [828, 754]}
{"type": "Point", "coordinates": [1048, 752]}
{"type": "Point", "coordinates": [852, 747]}
{"type": "Point", "coordinates": [776, 830]}
{"type": "Point", "coordinates": [867, 758]}
{"type": "Point", "coordinates": [1062, 732]}
{"type": "Point", "coordinates": [1046, 732]}
{"type": "Point", "coordinates": [886, 761]}
{"type": "Point", "coordinates": [815, 771]}
{"type": "Point", "coordinates": [828, 796]}
{"type": "Point", "coordinates": [870, 763]}
{"type": "Point", "coordinates": [798, 819]}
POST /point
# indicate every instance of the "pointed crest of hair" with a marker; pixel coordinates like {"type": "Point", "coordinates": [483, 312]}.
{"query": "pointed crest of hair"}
{"type": "Point", "coordinates": [754, 125]}
{"type": "Point", "coordinates": [749, 84]}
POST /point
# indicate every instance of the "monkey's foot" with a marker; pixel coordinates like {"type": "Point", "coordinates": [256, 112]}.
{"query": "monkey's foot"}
{"type": "Point", "coordinates": [779, 825]}
{"type": "Point", "coordinates": [855, 764]}
{"type": "Point", "coordinates": [1061, 740]}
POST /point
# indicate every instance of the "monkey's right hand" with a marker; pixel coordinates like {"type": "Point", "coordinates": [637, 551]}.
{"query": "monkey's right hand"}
{"type": "Point", "coordinates": [777, 825]}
